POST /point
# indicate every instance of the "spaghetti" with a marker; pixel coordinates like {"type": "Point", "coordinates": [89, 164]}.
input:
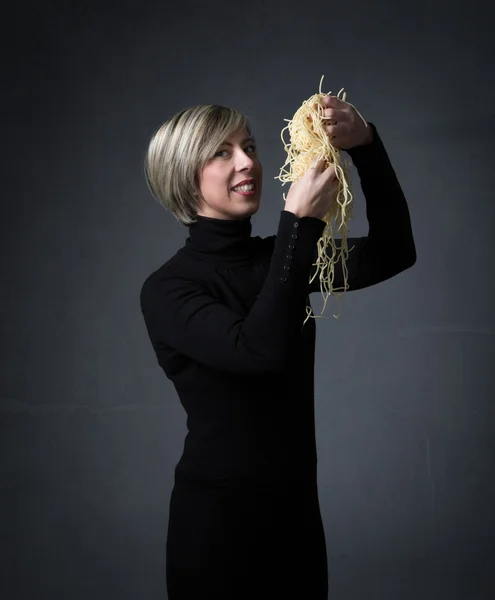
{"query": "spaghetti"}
{"type": "Point", "coordinates": [308, 141]}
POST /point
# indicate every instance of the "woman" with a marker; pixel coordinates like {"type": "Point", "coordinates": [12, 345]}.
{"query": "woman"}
{"type": "Point", "coordinates": [224, 316]}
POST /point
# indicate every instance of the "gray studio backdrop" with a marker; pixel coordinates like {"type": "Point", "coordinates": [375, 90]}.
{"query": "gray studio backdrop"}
{"type": "Point", "coordinates": [90, 427]}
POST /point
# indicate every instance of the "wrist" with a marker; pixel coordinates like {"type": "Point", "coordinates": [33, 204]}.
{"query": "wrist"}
{"type": "Point", "coordinates": [294, 211]}
{"type": "Point", "coordinates": [369, 137]}
{"type": "Point", "coordinates": [300, 214]}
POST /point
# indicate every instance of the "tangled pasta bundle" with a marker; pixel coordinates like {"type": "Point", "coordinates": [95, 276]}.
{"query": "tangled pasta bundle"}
{"type": "Point", "coordinates": [309, 140]}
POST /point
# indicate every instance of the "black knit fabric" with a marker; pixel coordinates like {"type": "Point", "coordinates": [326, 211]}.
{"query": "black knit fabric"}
{"type": "Point", "coordinates": [224, 316]}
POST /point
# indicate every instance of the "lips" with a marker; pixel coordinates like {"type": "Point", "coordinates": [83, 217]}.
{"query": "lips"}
{"type": "Point", "coordinates": [244, 182]}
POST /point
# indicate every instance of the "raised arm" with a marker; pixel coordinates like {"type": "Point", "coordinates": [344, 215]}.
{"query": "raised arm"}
{"type": "Point", "coordinates": [389, 247]}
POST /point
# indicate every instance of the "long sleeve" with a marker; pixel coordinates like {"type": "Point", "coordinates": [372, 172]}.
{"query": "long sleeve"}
{"type": "Point", "coordinates": [389, 246]}
{"type": "Point", "coordinates": [179, 313]}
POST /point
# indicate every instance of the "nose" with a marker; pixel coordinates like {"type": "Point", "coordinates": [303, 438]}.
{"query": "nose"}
{"type": "Point", "coordinates": [243, 161]}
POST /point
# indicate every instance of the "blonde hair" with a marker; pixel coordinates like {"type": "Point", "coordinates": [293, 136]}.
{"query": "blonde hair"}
{"type": "Point", "coordinates": [179, 150]}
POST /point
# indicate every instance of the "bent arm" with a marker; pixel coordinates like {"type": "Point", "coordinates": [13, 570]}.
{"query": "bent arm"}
{"type": "Point", "coordinates": [389, 247]}
{"type": "Point", "coordinates": [180, 314]}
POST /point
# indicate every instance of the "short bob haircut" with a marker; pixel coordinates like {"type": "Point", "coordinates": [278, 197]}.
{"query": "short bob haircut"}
{"type": "Point", "coordinates": [179, 150]}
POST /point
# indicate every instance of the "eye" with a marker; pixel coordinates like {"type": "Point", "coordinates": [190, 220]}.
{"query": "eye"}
{"type": "Point", "coordinates": [220, 152]}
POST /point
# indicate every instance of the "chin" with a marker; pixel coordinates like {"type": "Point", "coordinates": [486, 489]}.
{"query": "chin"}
{"type": "Point", "coordinates": [251, 210]}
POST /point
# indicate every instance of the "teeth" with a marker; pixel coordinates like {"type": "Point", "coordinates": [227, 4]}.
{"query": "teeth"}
{"type": "Point", "coordinates": [245, 188]}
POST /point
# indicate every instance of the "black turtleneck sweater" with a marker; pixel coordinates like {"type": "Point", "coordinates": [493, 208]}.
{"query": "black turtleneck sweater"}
{"type": "Point", "coordinates": [225, 314]}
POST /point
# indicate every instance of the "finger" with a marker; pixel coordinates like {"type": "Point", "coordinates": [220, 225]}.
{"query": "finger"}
{"type": "Point", "coordinates": [337, 115]}
{"type": "Point", "coordinates": [318, 108]}
{"type": "Point", "coordinates": [331, 128]}
{"type": "Point", "coordinates": [330, 171]}
{"type": "Point", "coordinates": [317, 163]}
{"type": "Point", "coordinates": [333, 102]}
{"type": "Point", "coordinates": [337, 141]}
{"type": "Point", "coordinates": [329, 124]}
{"type": "Point", "coordinates": [326, 100]}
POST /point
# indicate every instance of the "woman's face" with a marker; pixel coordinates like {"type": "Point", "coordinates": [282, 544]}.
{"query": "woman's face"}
{"type": "Point", "coordinates": [234, 162]}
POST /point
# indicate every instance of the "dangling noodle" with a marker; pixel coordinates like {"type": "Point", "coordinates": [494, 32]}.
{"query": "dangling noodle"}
{"type": "Point", "coordinates": [309, 140]}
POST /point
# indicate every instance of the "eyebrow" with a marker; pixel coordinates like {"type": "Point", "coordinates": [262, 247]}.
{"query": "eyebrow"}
{"type": "Point", "coordinates": [248, 139]}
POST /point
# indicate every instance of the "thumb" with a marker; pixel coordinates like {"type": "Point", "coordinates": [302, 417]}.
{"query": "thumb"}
{"type": "Point", "coordinates": [316, 161]}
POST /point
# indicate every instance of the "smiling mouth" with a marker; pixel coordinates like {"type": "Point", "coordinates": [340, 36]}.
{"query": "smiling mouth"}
{"type": "Point", "coordinates": [246, 192]}
{"type": "Point", "coordinates": [245, 188]}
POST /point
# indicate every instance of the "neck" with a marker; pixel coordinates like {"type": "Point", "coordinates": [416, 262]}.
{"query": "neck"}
{"type": "Point", "coordinates": [220, 240]}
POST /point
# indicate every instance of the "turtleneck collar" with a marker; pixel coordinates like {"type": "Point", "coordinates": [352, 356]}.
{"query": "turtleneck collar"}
{"type": "Point", "coordinates": [222, 241]}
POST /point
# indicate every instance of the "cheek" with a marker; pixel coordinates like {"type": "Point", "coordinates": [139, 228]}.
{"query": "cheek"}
{"type": "Point", "coordinates": [208, 180]}
{"type": "Point", "coordinates": [214, 183]}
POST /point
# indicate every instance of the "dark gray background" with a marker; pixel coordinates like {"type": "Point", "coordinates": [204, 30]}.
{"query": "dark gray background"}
{"type": "Point", "coordinates": [90, 427]}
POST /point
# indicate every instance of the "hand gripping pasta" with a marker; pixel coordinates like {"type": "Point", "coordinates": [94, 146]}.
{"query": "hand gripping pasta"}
{"type": "Point", "coordinates": [308, 140]}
